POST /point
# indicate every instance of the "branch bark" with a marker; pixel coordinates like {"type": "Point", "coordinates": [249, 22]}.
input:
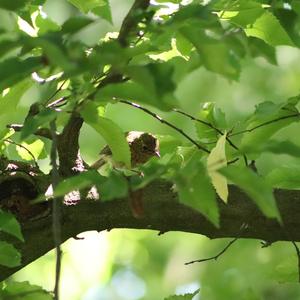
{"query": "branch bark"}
{"type": "Point", "coordinates": [163, 213]}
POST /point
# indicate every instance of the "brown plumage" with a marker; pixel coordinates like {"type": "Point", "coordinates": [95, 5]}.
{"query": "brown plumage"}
{"type": "Point", "coordinates": [142, 146]}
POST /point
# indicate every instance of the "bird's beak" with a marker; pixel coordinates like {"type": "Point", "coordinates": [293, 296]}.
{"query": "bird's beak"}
{"type": "Point", "coordinates": [157, 153]}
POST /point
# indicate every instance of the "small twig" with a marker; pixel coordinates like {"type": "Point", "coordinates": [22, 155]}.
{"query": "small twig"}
{"type": "Point", "coordinates": [264, 124]}
{"type": "Point", "coordinates": [58, 102]}
{"type": "Point", "coordinates": [56, 91]}
{"type": "Point", "coordinates": [56, 213]}
{"type": "Point", "coordinates": [242, 228]}
{"type": "Point", "coordinates": [212, 127]}
{"type": "Point", "coordinates": [131, 21]}
{"type": "Point", "coordinates": [23, 147]}
{"type": "Point", "coordinates": [42, 132]}
{"type": "Point", "coordinates": [216, 256]}
{"type": "Point", "coordinates": [298, 256]}
{"type": "Point", "coordinates": [160, 119]}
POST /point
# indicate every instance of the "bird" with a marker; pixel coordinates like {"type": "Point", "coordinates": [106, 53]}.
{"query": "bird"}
{"type": "Point", "coordinates": [143, 146]}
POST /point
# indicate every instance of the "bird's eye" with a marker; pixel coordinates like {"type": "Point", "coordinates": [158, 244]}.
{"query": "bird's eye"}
{"type": "Point", "coordinates": [145, 148]}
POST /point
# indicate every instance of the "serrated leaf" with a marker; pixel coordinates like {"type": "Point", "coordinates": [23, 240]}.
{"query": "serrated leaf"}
{"type": "Point", "coordinates": [255, 187]}
{"type": "Point", "coordinates": [104, 11]}
{"type": "Point", "coordinates": [268, 120]}
{"type": "Point", "coordinates": [268, 28]}
{"type": "Point", "coordinates": [215, 54]}
{"type": "Point", "coordinates": [257, 22]}
{"type": "Point", "coordinates": [24, 291]}
{"type": "Point", "coordinates": [87, 5]}
{"type": "Point", "coordinates": [9, 255]}
{"type": "Point", "coordinates": [9, 224]}
{"type": "Point", "coordinates": [195, 189]}
{"type": "Point", "coordinates": [188, 296]}
{"type": "Point", "coordinates": [258, 47]}
{"type": "Point", "coordinates": [215, 161]}
{"type": "Point", "coordinates": [111, 132]}
{"type": "Point", "coordinates": [30, 151]}
{"type": "Point", "coordinates": [212, 115]}
{"type": "Point", "coordinates": [285, 177]}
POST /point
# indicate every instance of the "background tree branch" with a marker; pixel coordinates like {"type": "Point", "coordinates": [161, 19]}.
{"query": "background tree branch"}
{"type": "Point", "coordinates": [163, 213]}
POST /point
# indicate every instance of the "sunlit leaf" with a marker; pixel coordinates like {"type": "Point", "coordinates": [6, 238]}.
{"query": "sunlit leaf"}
{"type": "Point", "coordinates": [215, 161]}
{"type": "Point", "coordinates": [30, 151]}
{"type": "Point", "coordinates": [268, 28]}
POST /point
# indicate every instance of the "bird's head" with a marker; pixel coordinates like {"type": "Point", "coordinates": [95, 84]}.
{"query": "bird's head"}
{"type": "Point", "coordinates": [143, 146]}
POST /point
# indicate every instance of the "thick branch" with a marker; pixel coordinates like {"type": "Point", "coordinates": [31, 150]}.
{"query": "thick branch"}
{"type": "Point", "coordinates": [164, 213]}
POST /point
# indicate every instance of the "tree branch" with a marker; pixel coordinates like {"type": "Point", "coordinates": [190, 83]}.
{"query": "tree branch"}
{"type": "Point", "coordinates": [163, 212]}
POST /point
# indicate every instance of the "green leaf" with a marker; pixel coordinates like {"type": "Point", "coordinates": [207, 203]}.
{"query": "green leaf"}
{"type": "Point", "coordinates": [32, 123]}
{"type": "Point", "coordinates": [75, 24]}
{"type": "Point", "coordinates": [24, 291]}
{"type": "Point", "coordinates": [268, 28]}
{"type": "Point", "coordinates": [267, 120]}
{"type": "Point", "coordinates": [111, 132]}
{"type": "Point", "coordinates": [242, 12]}
{"type": "Point", "coordinates": [215, 117]}
{"type": "Point", "coordinates": [104, 11]}
{"type": "Point", "coordinates": [258, 48]}
{"type": "Point", "coordinates": [45, 24]}
{"type": "Point", "coordinates": [113, 187]}
{"type": "Point", "coordinates": [9, 224]}
{"type": "Point", "coordinates": [9, 102]}
{"type": "Point", "coordinates": [257, 22]}
{"type": "Point", "coordinates": [78, 182]}
{"type": "Point", "coordinates": [285, 177]}
{"type": "Point", "coordinates": [255, 187]}
{"type": "Point", "coordinates": [87, 5]}
{"type": "Point", "coordinates": [215, 161]}
{"type": "Point", "coordinates": [188, 296]}
{"type": "Point", "coordinates": [215, 54]}
{"type": "Point", "coordinates": [273, 146]}
{"type": "Point", "coordinates": [13, 70]}
{"type": "Point", "coordinates": [13, 5]}
{"type": "Point", "coordinates": [30, 151]}
{"type": "Point", "coordinates": [195, 189]}
{"type": "Point", "coordinates": [9, 255]}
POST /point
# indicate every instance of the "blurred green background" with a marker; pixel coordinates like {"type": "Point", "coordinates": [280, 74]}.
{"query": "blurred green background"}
{"type": "Point", "coordinates": [134, 264]}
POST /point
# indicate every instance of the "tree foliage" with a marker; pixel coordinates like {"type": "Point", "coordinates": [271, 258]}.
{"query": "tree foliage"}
{"type": "Point", "coordinates": [54, 71]}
